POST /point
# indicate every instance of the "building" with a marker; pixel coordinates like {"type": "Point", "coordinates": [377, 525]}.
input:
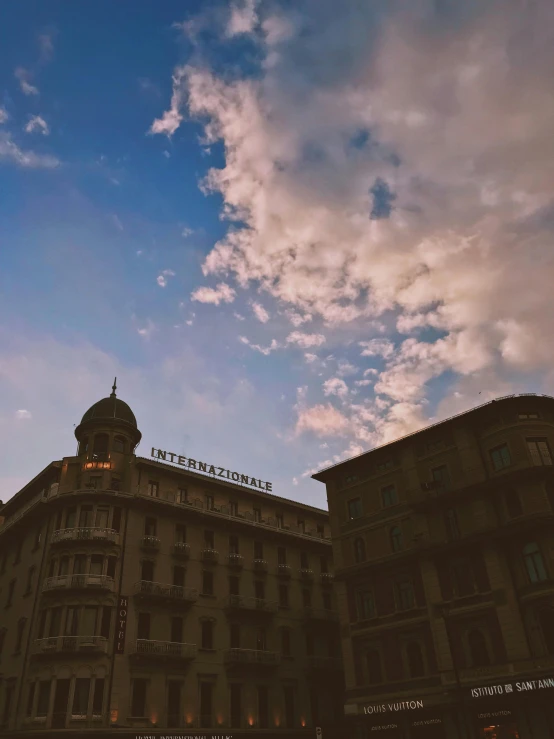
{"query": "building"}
{"type": "Point", "coordinates": [140, 595]}
{"type": "Point", "coordinates": [444, 566]}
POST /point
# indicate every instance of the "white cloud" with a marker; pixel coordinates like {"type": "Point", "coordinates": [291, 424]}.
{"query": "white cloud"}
{"type": "Point", "coordinates": [377, 348]}
{"type": "Point", "coordinates": [37, 123]}
{"type": "Point", "coordinates": [260, 312]}
{"type": "Point", "coordinates": [335, 386]}
{"type": "Point", "coordinates": [117, 222]}
{"type": "Point", "coordinates": [297, 319]}
{"type": "Point", "coordinates": [186, 232]}
{"type": "Point", "coordinates": [10, 152]}
{"type": "Point", "coordinates": [222, 293]}
{"type": "Point", "coordinates": [166, 154]}
{"type": "Point", "coordinates": [46, 45]}
{"type": "Point", "coordinates": [310, 358]}
{"type": "Point", "coordinates": [243, 17]}
{"type": "Point", "coordinates": [265, 350]}
{"type": "Point", "coordinates": [162, 278]}
{"type": "Point", "coordinates": [321, 420]}
{"type": "Point", "coordinates": [23, 415]}
{"type": "Point", "coordinates": [363, 383]}
{"type": "Point", "coordinates": [345, 368]}
{"type": "Point", "coordinates": [3, 115]}
{"type": "Point", "coordinates": [147, 330]}
{"type": "Point", "coordinates": [305, 341]}
{"type": "Point", "coordinates": [23, 76]}
{"type": "Point", "coordinates": [172, 118]}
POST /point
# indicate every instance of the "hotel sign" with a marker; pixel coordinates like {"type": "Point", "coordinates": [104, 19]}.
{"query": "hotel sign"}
{"type": "Point", "coordinates": [121, 624]}
{"type": "Point", "coordinates": [210, 469]}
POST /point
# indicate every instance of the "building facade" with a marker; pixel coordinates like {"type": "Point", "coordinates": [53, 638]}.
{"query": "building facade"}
{"type": "Point", "coordinates": [444, 565]}
{"type": "Point", "coordinates": [143, 596]}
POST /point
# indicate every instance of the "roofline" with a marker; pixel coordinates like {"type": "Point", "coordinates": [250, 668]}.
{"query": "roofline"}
{"type": "Point", "coordinates": [319, 475]}
{"type": "Point", "coordinates": [20, 493]}
{"type": "Point", "coordinates": [233, 486]}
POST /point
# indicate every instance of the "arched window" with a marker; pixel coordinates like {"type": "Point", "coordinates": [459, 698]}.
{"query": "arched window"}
{"type": "Point", "coordinates": [534, 562]}
{"type": "Point", "coordinates": [416, 665]}
{"type": "Point", "coordinates": [396, 539]}
{"type": "Point", "coordinates": [100, 444]}
{"type": "Point", "coordinates": [83, 445]}
{"type": "Point", "coordinates": [119, 444]}
{"type": "Point", "coordinates": [374, 668]}
{"type": "Point", "coordinates": [359, 549]}
{"type": "Point", "coordinates": [478, 649]}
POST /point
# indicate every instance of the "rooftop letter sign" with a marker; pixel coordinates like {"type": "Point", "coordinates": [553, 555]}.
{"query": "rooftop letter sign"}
{"type": "Point", "coordinates": [210, 469]}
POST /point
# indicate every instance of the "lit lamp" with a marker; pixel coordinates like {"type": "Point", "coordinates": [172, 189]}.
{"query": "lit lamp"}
{"type": "Point", "coordinates": [113, 715]}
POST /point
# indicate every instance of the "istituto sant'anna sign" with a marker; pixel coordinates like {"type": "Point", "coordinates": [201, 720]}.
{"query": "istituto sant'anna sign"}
{"type": "Point", "coordinates": [210, 469]}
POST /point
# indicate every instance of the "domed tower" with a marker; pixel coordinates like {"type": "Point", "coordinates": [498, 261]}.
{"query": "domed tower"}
{"type": "Point", "coordinates": [107, 435]}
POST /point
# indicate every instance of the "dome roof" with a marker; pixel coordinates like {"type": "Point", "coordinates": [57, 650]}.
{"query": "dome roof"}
{"type": "Point", "coordinates": [111, 407]}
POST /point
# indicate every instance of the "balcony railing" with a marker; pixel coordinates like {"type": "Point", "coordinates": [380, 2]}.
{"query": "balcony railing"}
{"type": "Point", "coordinates": [327, 577]}
{"type": "Point", "coordinates": [149, 542]}
{"type": "Point", "coordinates": [283, 570]}
{"type": "Point", "coordinates": [86, 533]}
{"type": "Point", "coordinates": [306, 573]}
{"type": "Point", "coordinates": [320, 614]}
{"type": "Point", "coordinates": [235, 560]}
{"type": "Point", "coordinates": [240, 602]}
{"type": "Point", "coordinates": [181, 549]}
{"type": "Point", "coordinates": [260, 565]}
{"type": "Point", "coordinates": [325, 664]}
{"type": "Point", "coordinates": [171, 649]}
{"type": "Point", "coordinates": [251, 657]}
{"type": "Point", "coordinates": [209, 555]}
{"type": "Point", "coordinates": [174, 593]}
{"type": "Point", "coordinates": [70, 644]}
{"type": "Point", "coordinates": [72, 582]}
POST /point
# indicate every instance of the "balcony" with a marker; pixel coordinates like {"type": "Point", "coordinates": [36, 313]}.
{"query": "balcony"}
{"type": "Point", "coordinates": [327, 578]}
{"type": "Point", "coordinates": [235, 560]}
{"type": "Point", "coordinates": [80, 534]}
{"type": "Point", "coordinates": [163, 592]}
{"type": "Point", "coordinates": [181, 549]}
{"type": "Point", "coordinates": [78, 582]}
{"type": "Point", "coordinates": [320, 614]}
{"type": "Point", "coordinates": [251, 657]}
{"type": "Point", "coordinates": [66, 645]}
{"type": "Point", "coordinates": [163, 650]}
{"type": "Point", "coordinates": [209, 556]}
{"type": "Point", "coordinates": [150, 543]}
{"type": "Point", "coordinates": [257, 605]}
{"type": "Point", "coordinates": [259, 565]}
{"type": "Point", "coordinates": [306, 574]}
{"type": "Point", "coordinates": [283, 570]}
{"type": "Point", "coordinates": [324, 664]}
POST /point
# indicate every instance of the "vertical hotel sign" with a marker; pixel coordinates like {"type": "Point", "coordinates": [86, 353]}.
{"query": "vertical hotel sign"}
{"type": "Point", "coordinates": [121, 624]}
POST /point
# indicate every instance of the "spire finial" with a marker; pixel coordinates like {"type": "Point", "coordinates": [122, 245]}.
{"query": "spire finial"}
{"type": "Point", "coordinates": [114, 387]}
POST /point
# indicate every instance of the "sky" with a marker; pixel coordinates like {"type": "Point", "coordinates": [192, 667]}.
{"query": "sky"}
{"type": "Point", "coordinates": [293, 232]}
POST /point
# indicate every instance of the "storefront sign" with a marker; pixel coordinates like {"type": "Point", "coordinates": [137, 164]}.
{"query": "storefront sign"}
{"type": "Point", "coordinates": [121, 624]}
{"type": "Point", "coordinates": [516, 687]}
{"type": "Point", "coordinates": [427, 722]}
{"type": "Point", "coordinates": [401, 706]}
{"type": "Point", "coordinates": [384, 727]}
{"type": "Point", "coordinates": [210, 469]}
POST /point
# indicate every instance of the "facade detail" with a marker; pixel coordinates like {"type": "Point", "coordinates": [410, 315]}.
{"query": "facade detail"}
{"type": "Point", "coordinates": [444, 568]}
{"type": "Point", "coordinates": [141, 597]}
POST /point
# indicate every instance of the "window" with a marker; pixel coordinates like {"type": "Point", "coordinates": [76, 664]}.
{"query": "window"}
{"type": "Point", "coordinates": [354, 508]}
{"type": "Point", "coordinates": [43, 698]}
{"type": "Point", "coordinates": [301, 525]}
{"type": "Point", "coordinates": [138, 697]}
{"type": "Point", "coordinates": [365, 604]}
{"type": "Point", "coordinates": [209, 499]}
{"type": "Point", "coordinates": [320, 528]}
{"type": "Point", "coordinates": [96, 564]}
{"type": "Point", "coordinates": [38, 536]}
{"type": "Point", "coordinates": [235, 696]}
{"type": "Point", "coordinates": [143, 626]}
{"type": "Point", "coordinates": [71, 621]}
{"type": "Point", "coordinates": [306, 598]}
{"type": "Point", "coordinates": [98, 697]}
{"type": "Point", "coordinates": [404, 595]}
{"type": "Point", "coordinates": [115, 483]}
{"type": "Point", "coordinates": [102, 515]}
{"type": "Point", "coordinates": [95, 482]}
{"type": "Point", "coordinates": [463, 579]}
{"type": "Point", "coordinates": [233, 585]}
{"type": "Point", "coordinates": [88, 625]}
{"type": "Point", "coordinates": [414, 655]}
{"type": "Point", "coordinates": [182, 495]}
{"type": "Point", "coordinates": [258, 550]}
{"type": "Point", "coordinates": [540, 452]}
{"type": "Point", "coordinates": [304, 562]}
{"type": "Point", "coordinates": [386, 464]}
{"type": "Point", "coordinates": [234, 636]}
{"type": "Point", "coordinates": [233, 544]}
{"type": "Point", "coordinates": [85, 516]}
{"type": "Point", "coordinates": [478, 649]}
{"type": "Point", "coordinates": [147, 570]}
{"type": "Point", "coordinates": [525, 416]}
{"type": "Point", "coordinates": [283, 596]}
{"type": "Point", "coordinates": [288, 691]}
{"type": "Point", "coordinates": [116, 519]}
{"type": "Point", "coordinates": [80, 696]}
{"type": "Point", "coordinates": [280, 521]}
{"type": "Point", "coordinates": [233, 508]}
{"type": "Point", "coordinates": [207, 635]}
{"type": "Point", "coordinates": [180, 533]}
{"type": "Point", "coordinates": [261, 640]}
{"type": "Point", "coordinates": [20, 631]}
{"type": "Point", "coordinates": [389, 496]}
{"type": "Point", "coordinates": [359, 550]}
{"type": "Point", "coordinates": [174, 689]}
{"type": "Point", "coordinates": [500, 457]}
{"type": "Point", "coordinates": [30, 574]}
{"type": "Point", "coordinates": [257, 514]}
{"type": "Point", "coordinates": [207, 583]}
{"type": "Point", "coordinates": [285, 642]}
{"type": "Point", "coordinates": [206, 690]}
{"type": "Point", "coordinates": [263, 707]}
{"type": "Point", "coordinates": [79, 564]}
{"type": "Point", "coordinates": [106, 621]}
{"type": "Point", "coordinates": [451, 524]}
{"type": "Point", "coordinates": [396, 539]}
{"type": "Point", "coordinates": [534, 563]}
{"type": "Point", "coordinates": [70, 518]}
{"type": "Point", "coordinates": [513, 504]}
{"type": "Point", "coordinates": [11, 588]}
{"type": "Point", "coordinates": [281, 555]}
{"type": "Point", "coordinates": [110, 567]}
{"type": "Point", "coordinates": [259, 589]}
{"type": "Point", "coordinates": [150, 527]}
{"type": "Point", "coordinates": [179, 576]}
{"type": "Point", "coordinates": [55, 622]}
{"type": "Point", "coordinates": [100, 447]}
{"type": "Point", "coordinates": [441, 478]}
{"type": "Point", "coordinates": [83, 445]}
{"type": "Point", "coordinates": [327, 601]}
{"type": "Point", "coordinates": [119, 444]}
{"type": "Point", "coordinates": [31, 698]}
{"type": "Point", "coordinates": [209, 539]}
{"type": "Point", "coordinates": [374, 667]}
{"type": "Point", "coordinates": [176, 629]}
{"type": "Point", "coordinates": [63, 568]}
{"type": "Point", "coordinates": [153, 488]}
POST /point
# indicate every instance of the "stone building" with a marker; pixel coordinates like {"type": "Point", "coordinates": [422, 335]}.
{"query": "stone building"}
{"type": "Point", "coordinates": [444, 565]}
{"type": "Point", "coordinates": [137, 595]}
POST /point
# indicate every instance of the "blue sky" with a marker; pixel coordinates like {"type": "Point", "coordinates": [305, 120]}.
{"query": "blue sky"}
{"type": "Point", "coordinates": [293, 234]}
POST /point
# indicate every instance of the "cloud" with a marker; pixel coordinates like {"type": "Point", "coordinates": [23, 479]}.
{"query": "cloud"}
{"type": "Point", "coordinates": [243, 18]}
{"type": "Point", "coordinates": [3, 115]}
{"type": "Point", "coordinates": [10, 152]}
{"type": "Point", "coordinates": [117, 222]}
{"type": "Point", "coordinates": [310, 358]}
{"type": "Point", "coordinates": [222, 293]}
{"type": "Point", "coordinates": [377, 348]}
{"type": "Point", "coordinates": [335, 386]}
{"type": "Point", "coordinates": [186, 232]}
{"type": "Point", "coordinates": [162, 278]}
{"type": "Point", "coordinates": [23, 415]}
{"type": "Point", "coordinates": [46, 45]}
{"type": "Point", "coordinates": [238, 316]}
{"type": "Point", "coordinates": [345, 368]}
{"type": "Point", "coordinates": [265, 350]}
{"type": "Point", "coordinates": [37, 123]}
{"type": "Point", "coordinates": [147, 330]}
{"type": "Point", "coordinates": [321, 420]}
{"type": "Point", "coordinates": [23, 76]}
{"type": "Point", "coordinates": [172, 118]}
{"type": "Point", "coordinates": [305, 341]}
{"type": "Point", "coordinates": [297, 319]}
{"type": "Point", "coordinates": [260, 312]}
